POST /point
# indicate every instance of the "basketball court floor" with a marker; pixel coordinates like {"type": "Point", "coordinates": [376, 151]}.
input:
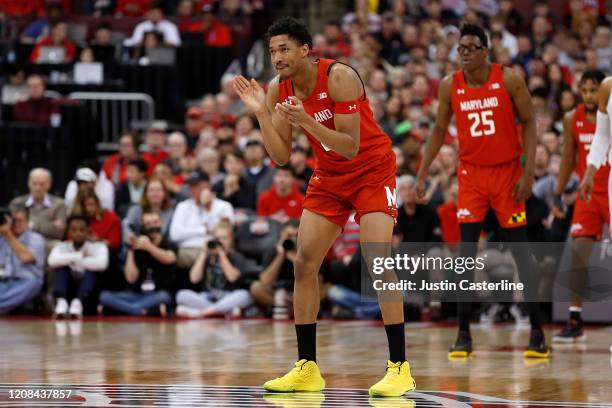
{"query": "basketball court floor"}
{"type": "Point", "coordinates": [125, 362]}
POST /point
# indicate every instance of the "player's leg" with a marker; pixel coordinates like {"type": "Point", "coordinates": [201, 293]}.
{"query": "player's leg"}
{"type": "Point", "coordinates": [472, 207]}
{"type": "Point", "coordinates": [587, 226]}
{"type": "Point", "coordinates": [375, 235]}
{"type": "Point", "coordinates": [470, 233]}
{"type": "Point", "coordinates": [315, 236]}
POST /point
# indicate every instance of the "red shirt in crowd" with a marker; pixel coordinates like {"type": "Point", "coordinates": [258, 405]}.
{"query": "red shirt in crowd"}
{"type": "Point", "coordinates": [68, 45]}
{"type": "Point", "coordinates": [449, 224]}
{"type": "Point", "coordinates": [21, 7]}
{"type": "Point", "coordinates": [35, 111]}
{"type": "Point", "coordinates": [115, 169]}
{"type": "Point", "coordinates": [132, 8]}
{"type": "Point", "coordinates": [270, 203]}
{"type": "Point", "coordinates": [107, 228]}
{"type": "Point", "coordinates": [153, 158]}
{"type": "Point", "coordinates": [218, 35]}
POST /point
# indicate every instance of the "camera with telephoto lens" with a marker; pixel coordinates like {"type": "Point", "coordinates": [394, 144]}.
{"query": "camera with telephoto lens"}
{"type": "Point", "coordinates": [290, 243]}
{"type": "Point", "coordinates": [213, 244]}
{"type": "Point", "coordinates": [4, 214]}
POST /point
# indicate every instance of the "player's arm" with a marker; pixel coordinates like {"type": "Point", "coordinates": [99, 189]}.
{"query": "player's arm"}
{"type": "Point", "coordinates": [276, 131]}
{"type": "Point", "coordinates": [601, 142]}
{"type": "Point", "coordinates": [345, 90]}
{"type": "Point", "coordinates": [517, 88]}
{"type": "Point", "coordinates": [568, 162]}
{"type": "Point", "coordinates": [436, 138]}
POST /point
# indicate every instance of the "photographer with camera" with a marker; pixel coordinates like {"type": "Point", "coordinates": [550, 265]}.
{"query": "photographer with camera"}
{"type": "Point", "coordinates": [218, 269]}
{"type": "Point", "coordinates": [22, 257]}
{"type": "Point", "coordinates": [275, 285]}
{"type": "Point", "coordinates": [149, 271]}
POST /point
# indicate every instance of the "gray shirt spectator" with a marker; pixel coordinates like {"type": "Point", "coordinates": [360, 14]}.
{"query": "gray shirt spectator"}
{"type": "Point", "coordinates": [47, 213]}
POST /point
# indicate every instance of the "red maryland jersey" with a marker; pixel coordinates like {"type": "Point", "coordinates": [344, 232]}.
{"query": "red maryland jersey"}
{"type": "Point", "coordinates": [584, 132]}
{"type": "Point", "coordinates": [374, 144]}
{"type": "Point", "coordinates": [486, 120]}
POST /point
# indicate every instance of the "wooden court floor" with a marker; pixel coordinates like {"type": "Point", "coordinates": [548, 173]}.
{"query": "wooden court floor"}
{"type": "Point", "coordinates": [222, 363]}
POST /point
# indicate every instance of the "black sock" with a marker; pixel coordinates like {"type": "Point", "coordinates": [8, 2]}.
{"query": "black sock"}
{"type": "Point", "coordinates": [464, 313]}
{"type": "Point", "coordinates": [534, 315]}
{"type": "Point", "coordinates": [575, 315]}
{"type": "Point", "coordinates": [397, 342]}
{"type": "Point", "coordinates": [307, 341]}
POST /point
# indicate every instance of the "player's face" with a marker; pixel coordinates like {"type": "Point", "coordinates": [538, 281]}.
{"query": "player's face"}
{"type": "Point", "coordinates": [472, 53]}
{"type": "Point", "coordinates": [588, 91]}
{"type": "Point", "coordinates": [286, 54]}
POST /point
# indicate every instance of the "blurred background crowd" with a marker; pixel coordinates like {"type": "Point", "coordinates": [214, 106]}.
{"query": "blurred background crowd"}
{"type": "Point", "coordinates": [181, 211]}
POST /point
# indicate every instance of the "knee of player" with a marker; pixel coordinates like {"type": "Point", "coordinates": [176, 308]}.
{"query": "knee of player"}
{"type": "Point", "coordinates": [305, 265]}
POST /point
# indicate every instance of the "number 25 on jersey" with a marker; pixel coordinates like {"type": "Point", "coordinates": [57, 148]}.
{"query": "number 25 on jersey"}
{"type": "Point", "coordinates": [481, 123]}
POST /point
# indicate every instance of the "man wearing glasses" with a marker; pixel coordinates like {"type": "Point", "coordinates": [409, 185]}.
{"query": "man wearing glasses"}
{"type": "Point", "coordinates": [488, 102]}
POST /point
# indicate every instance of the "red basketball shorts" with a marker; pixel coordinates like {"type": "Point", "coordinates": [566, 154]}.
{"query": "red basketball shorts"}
{"type": "Point", "coordinates": [590, 217]}
{"type": "Point", "coordinates": [484, 187]}
{"type": "Point", "coordinates": [367, 189]}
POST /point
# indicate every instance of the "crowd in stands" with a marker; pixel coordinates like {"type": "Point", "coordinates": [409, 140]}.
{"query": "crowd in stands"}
{"type": "Point", "coordinates": [199, 222]}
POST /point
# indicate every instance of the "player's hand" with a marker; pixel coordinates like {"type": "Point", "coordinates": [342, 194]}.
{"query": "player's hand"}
{"type": "Point", "coordinates": [251, 93]}
{"type": "Point", "coordinates": [522, 189]}
{"type": "Point", "coordinates": [585, 189]}
{"type": "Point", "coordinates": [293, 111]}
{"type": "Point", "coordinates": [421, 190]}
{"type": "Point", "coordinates": [559, 209]}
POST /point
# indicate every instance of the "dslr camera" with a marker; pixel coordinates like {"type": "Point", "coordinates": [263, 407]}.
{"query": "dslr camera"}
{"type": "Point", "coordinates": [289, 244]}
{"type": "Point", "coordinates": [4, 214]}
{"type": "Point", "coordinates": [213, 244]}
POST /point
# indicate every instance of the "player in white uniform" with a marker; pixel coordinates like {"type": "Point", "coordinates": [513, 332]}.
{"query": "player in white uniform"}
{"type": "Point", "coordinates": [600, 147]}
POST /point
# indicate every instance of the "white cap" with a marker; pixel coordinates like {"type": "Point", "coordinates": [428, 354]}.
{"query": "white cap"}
{"type": "Point", "coordinates": [86, 174]}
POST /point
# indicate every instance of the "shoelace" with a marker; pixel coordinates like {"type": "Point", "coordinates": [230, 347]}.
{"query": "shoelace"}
{"type": "Point", "coordinates": [390, 374]}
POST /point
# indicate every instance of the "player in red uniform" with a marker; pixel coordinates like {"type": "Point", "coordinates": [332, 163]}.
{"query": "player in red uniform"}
{"type": "Point", "coordinates": [355, 171]}
{"type": "Point", "coordinates": [590, 217]}
{"type": "Point", "coordinates": [487, 100]}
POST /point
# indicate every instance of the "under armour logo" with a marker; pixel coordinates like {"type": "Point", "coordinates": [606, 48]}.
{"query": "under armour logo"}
{"type": "Point", "coordinates": [579, 123]}
{"type": "Point", "coordinates": [460, 91]}
{"type": "Point", "coordinates": [322, 95]}
{"type": "Point", "coordinates": [494, 85]}
{"type": "Point", "coordinates": [352, 107]}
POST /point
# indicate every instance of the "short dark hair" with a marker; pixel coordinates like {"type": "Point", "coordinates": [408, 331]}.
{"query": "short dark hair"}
{"type": "Point", "coordinates": [21, 209]}
{"type": "Point", "coordinates": [476, 30]}
{"type": "Point", "coordinates": [140, 164]}
{"type": "Point", "coordinates": [594, 75]}
{"type": "Point", "coordinates": [293, 28]}
{"type": "Point", "coordinates": [133, 136]}
{"type": "Point", "coordinates": [77, 217]}
{"type": "Point", "coordinates": [286, 167]}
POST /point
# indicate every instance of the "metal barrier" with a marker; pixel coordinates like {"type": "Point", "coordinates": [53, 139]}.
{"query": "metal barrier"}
{"type": "Point", "coordinates": [115, 111]}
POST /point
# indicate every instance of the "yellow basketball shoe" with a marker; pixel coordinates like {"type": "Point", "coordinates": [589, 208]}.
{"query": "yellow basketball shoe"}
{"type": "Point", "coordinates": [305, 376]}
{"type": "Point", "coordinates": [395, 383]}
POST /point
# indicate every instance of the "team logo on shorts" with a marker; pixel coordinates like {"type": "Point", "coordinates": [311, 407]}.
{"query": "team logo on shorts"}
{"type": "Point", "coordinates": [391, 197]}
{"type": "Point", "coordinates": [517, 218]}
{"type": "Point", "coordinates": [576, 227]}
{"type": "Point", "coordinates": [463, 213]}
